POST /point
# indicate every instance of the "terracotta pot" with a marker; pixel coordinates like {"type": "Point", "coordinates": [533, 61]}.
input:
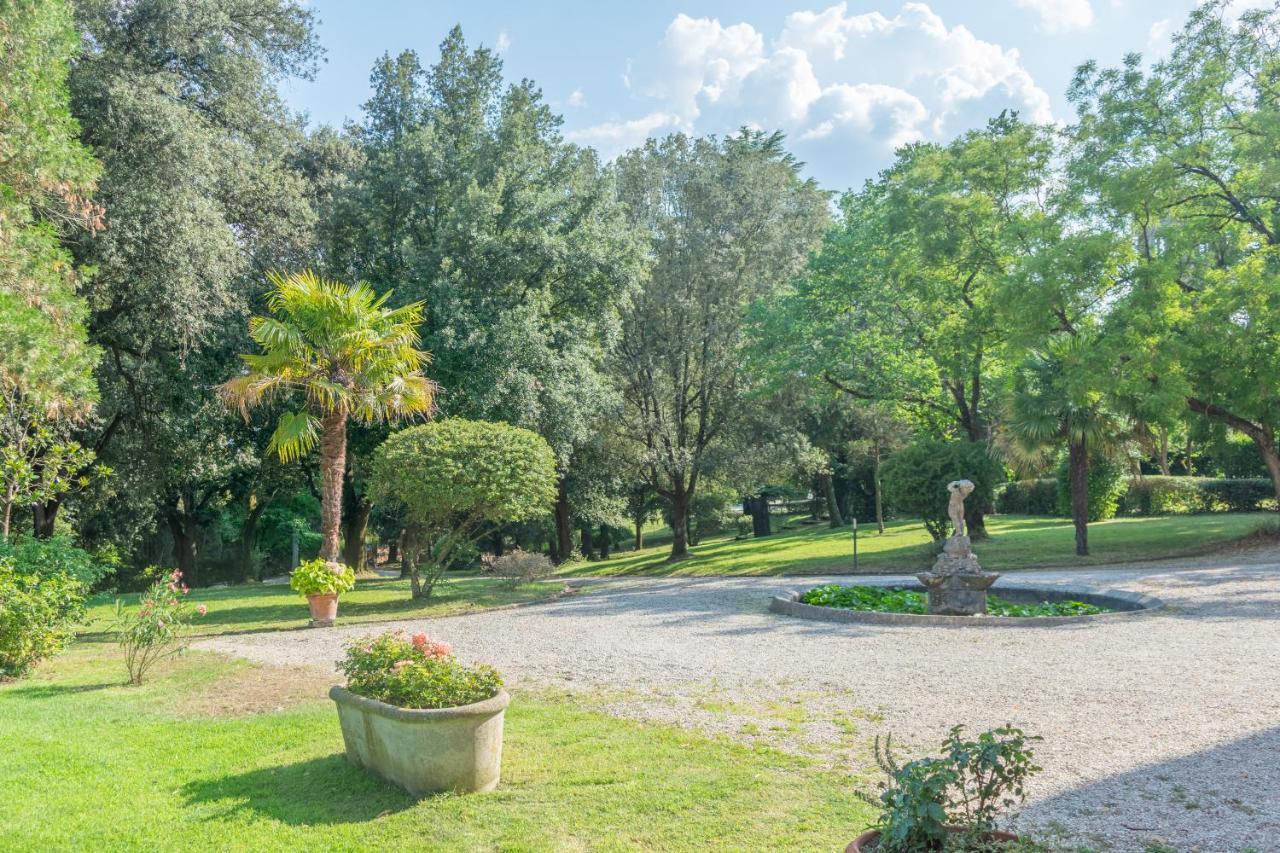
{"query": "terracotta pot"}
{"type": "Point", "coordinates": [870, 840]}
{"type": "Point", "coordinates": [324, 609]}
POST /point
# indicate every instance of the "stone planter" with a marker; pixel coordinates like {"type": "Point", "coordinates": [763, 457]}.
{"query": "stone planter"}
{"type": "Point", "coordinates": [425, 750]}
{"type": "Point", "coordinates": [869, 841]}
{"type": "Point", "coordinates": [324, 609]}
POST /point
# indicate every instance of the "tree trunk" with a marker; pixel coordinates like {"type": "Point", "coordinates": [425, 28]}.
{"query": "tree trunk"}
{"type": "Point", "coordinates": [829, 492]}
{"type": "Point", "coordinates": [1164, 451]}
{"type": "Point", "coordinates": [605, 536]}
{"type": "Point", "coordinates": [758, 508]}
{"type": "Point", "coordinates": [249, 536]}
{"type": "Point", "coordinates": [679, 525]}
{"type": "Point", "coordinates": [1263, 438]}
{"type": "Point", "coordinates": [402, 545]}
{"type": "Point", "coordinates": [1190, 469]}
{"type": "Point", "coordinates": [875, 475]}
{"type": "Point", "coordinates": [44, 517]}
{"type": "Point", "coordinates": [564, 525]}
{"type": "Point", "coordinates": [357, 524]}
{"type": "Point", "coordinates": [1078, 466]}
{"type": "Point", "coordinates": [588, 545]}
{"type": "Point", "coordinates": [184, 544]}
{"type": "Point", "coordinates": [393, 550]}
{"type": "Point", "coordinates": [333, 466]}
{"type": "Point", "coordinates": [975, 521]}
{"type": "Point", "coordinates": [639, 543]}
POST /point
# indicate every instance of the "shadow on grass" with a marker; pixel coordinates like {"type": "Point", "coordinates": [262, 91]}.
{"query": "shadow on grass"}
{"type": "Point", "coordinates": [318, 791]}
{"type": "Point", "coordinates": [51, 691]}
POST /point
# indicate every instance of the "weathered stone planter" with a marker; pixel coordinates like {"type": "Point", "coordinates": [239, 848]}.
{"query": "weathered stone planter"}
{"type": "Point", "coordinates": [425, 750]}
{"type": "Point", "coordinates": [324, 609]}
{"type": "Point", "coordinates": [869, 841]}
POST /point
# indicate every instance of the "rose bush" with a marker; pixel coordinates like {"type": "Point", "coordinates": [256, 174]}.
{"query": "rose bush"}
{"type": "Point", "coordinates": [415, 672]}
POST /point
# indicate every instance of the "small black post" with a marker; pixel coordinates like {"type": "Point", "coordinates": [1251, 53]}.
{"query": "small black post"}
{"type": "Point", "coordinates": [855, 546]}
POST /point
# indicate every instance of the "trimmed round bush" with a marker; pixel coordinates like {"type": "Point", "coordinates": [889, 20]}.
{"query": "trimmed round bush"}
{"type": "Point", "coordinates": [915, 479]}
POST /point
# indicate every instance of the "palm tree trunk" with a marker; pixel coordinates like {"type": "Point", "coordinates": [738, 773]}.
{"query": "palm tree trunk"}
{"type": "Point", "coordinates": [333, 464]}
{"type": "Point", "coordinates": [1078, 466]}
{"type": "Point", "coordinates": [829, 495]}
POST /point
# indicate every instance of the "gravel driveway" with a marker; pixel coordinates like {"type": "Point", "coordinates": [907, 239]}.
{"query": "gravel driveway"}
{"type": "Point", "coordinates": [1163, 729]}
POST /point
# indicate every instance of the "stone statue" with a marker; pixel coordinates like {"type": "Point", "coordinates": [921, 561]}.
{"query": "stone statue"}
{"type": "Point", "coordinates": [957, 585]}
{"type": "Point", "coordinates": [959, 489]}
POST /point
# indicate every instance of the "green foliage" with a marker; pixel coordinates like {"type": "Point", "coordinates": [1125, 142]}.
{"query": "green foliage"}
{"type": "Point", "coordinates": [456, 480]}
{"type": "Point", "coordinates": [37, 615]}
{"type": "Point", "coordinates": [1106, 483]}
{"type": "Point", "coordinates": [158, 628]}
{"type": "Point", "coordinates": [1028, 497]}
{"type": "Point", "coordinates": [319, 577]}
{"type": "Point", "coordinates": [916, 477]}
{"type": "Point", "coordinates": [1154, 495]}
{"type": "Point", "coordinates": [58, 555]}
{"type": "Point", "coordinates": [415, 673]}
{"type": "Point", "coordinates": [744, 526]}
{"type": "Point", "coordinates": [46, 179]}
{"type": "Point", "coordinates": [967, 787]}
{"type": "Point", "coordinates": [881, 599]}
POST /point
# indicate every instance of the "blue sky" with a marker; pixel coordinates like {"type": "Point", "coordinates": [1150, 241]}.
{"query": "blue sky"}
{"type": "Point", "coordinates": [846, 82]}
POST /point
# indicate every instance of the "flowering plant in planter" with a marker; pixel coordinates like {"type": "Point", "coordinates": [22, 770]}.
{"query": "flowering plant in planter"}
{"type": "Point", "coordinates": [318, 577]}
{"type": "Point", "coordinates": [415, 672]}
{"type": "Point", "coordinates": [158, 628]}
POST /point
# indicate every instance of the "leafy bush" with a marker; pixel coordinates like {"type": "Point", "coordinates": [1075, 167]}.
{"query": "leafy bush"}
{"type": "Point", "coordinates": [915, 479]}
{"type": "Point", "coordinates": [317, 577]}
{"type": "Point", "coordinates": [157, 629]}
{"type": "Point", "coordinates": [1164, 496]}
{"type": "Point", "coordinates": [967, 787]}
{"type": "Point", "coordinates": [888, 599]}
{"type": "Point", "coordinates": [1028, 497]}
{"type": "Point", "coordinates": [415, 672]}
{"type": "Point", "coordinates": [58, 555]}
{"type": "Point", "coordinates": [1239, 495]}
{"type": "Point", "coordinates": [518, 566]}
{"type": "Point", "coordinates": [37, 613]}
{"type": "Point", "coordinates": [1106, 483]}
{"type": "Point", "coordinates": [744, 526]}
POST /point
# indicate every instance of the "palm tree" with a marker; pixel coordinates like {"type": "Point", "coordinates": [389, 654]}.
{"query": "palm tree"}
{"type": "Point", "coordinates": [347, 356]}
{"type": "Point", "coordinates": [1055, 399]}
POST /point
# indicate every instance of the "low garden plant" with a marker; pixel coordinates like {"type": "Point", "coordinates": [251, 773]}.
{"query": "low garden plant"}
{"type": "Point", "coordinates": [158, 628]}
{"type": "Point", "coordinates": [37, 614]}
{"type": "Point", "coordinates": [888, 599]}
{"type": "Point", "coordinates": [318, 577]}
{"type": "Point", "coordinates": [519, 567]}
{"type": "Point", "coordinates": [951, 802]}
{"type": "Point", "coordinates": [415, 672]}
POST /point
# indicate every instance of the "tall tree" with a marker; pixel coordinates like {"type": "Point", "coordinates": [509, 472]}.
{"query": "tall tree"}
{"type": "Point", "coordinates": [728, 221]}
{"type": "Point", "coordinates": [349, 358]}
{"type": "Point", "coordinates": [1183, 159]}
{"type": "Point", "coordinates": [470, 200]}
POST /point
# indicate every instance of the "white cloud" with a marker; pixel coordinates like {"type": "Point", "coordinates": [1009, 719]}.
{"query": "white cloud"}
{"type": "Point", "coordinates": [1060, 16]}
{"type": "Point", "coordinates": [854, 85]}
{"type": "Point", "coordinates": [1158, 37]}
{"type": "Point", "coordinates": [503, 42]}
{"type": "Point", "coordinates": [577, 99]}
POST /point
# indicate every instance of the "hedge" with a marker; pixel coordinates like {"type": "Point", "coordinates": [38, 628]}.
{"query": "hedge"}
{"type": "Point", "coordinates": [1151, 495]}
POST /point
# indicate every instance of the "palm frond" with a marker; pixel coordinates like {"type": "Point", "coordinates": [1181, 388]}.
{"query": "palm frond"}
{"type": "Point", "coordinates": [295, 436]}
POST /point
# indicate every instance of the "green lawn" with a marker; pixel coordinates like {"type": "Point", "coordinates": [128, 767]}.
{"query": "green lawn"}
{"type": "Point", "coordinates": [1017, 542]}
{"type": "Point", "coordinates": [261, 607]}
{"type": "Point", "coordinates": [90, 764]}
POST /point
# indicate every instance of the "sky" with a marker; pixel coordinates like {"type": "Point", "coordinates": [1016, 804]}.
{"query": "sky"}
{"type": "Point", "coordinates": [846, 82]}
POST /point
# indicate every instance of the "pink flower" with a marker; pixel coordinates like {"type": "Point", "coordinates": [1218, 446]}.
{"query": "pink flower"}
{"type": "Point", "coordinates": [201, 609]}
{"type": "Point", "coordinates": [420, 639]}
{"type": "Point", "coordinates": [443, 649]}
{"type": "Point", "coordinates": [185, 589]}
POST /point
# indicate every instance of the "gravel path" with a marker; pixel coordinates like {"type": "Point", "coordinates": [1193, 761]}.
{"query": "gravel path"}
{"type": "Point", "coordinates": [1163, 729]}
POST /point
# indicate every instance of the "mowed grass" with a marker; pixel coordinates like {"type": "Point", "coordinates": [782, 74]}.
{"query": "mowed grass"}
{"type": "Point", "coordinates": [90, 764]}
{"type": "Point", "coordinates": [1017, 542]}
{"type": "Point", "coordinates": [275, 607]}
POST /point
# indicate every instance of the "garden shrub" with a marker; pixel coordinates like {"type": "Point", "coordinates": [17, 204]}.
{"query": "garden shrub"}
{"type": "Point", "coordinates": [415, 672]}
{"type": "Point", "coordinates": [1159, 495]}
{"type": "Point", "coordinates": [1106, 484]}
{"type": "Point", "coordinates": [1248, 495]}
{"type": "Point", "coordinates": [1028, 497]}
{"type": "Point", "coordinates": [915, 479]}
{"type": "Point", "coordinates": [744, 525]}
{"type": "Point", "coordinates": [58, 555]}
{"type": "Point", "coordinates": [37, 613]}
{"type": "Point", "coordinates": [157, 629]}
{"type": "Point", "coordinates": [519, 566]}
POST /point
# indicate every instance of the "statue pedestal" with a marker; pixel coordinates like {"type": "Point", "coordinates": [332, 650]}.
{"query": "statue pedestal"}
{"type": "Point", "coordinates": [957, 584]}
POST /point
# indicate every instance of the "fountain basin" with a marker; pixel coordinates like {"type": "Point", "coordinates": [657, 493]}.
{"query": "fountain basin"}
{"type": "Point", "coordinates": [1121, 604]}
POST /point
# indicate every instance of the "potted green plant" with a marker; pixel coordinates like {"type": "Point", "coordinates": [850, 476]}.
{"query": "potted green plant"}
{"type": "Point", "coordinates": [950, 803]}
{"type": "Point", "coordinates": [419, 718]}
{"type": "Point", "coordinates": [321, 583]}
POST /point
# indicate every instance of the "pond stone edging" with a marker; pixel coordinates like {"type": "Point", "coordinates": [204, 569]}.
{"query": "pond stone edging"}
{"type": "Point", "coordinates": [1124, 604]}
